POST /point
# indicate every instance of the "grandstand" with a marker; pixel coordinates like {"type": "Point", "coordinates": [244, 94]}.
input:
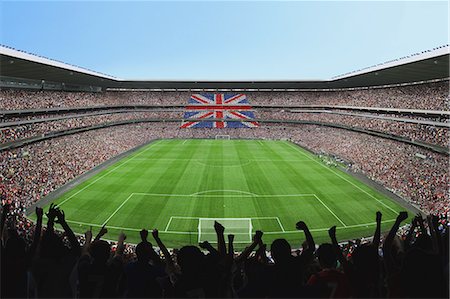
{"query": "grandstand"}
{"type": "Point", "coordinates": [384, 131]}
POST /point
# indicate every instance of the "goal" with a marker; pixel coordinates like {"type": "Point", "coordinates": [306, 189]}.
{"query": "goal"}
{"type": "Point", "coordinates": [223, 137]}
{"type": "Point", "coordinates": [241, 228]}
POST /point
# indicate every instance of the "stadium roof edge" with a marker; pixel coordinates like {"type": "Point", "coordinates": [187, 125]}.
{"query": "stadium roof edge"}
{"type": "Point", "coordinates": [8, 51]}
{"type": "Point", "coordinates": [435, 52]}
{"type": "Point", "coordinates": [17, 65]}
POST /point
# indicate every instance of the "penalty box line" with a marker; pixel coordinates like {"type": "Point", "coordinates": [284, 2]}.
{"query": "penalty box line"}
{"type": "Point", "coordinates": [166, 230]}
{"type": "Point", "coordinates": [181, 217]}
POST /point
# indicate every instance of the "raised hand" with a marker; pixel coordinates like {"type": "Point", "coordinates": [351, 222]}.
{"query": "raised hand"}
{"type": "Point", "coordinates": [301, 225]}
{"type": "Point", "coordinates": [403, 215]}
{"type": "Point", "coordinates": [332, 232]}
{"type": "Point", "coordinates": [204, 245]}
{"type": "Point", "coordinates": [39, 213]}
{"type": "Point", "coordinates": [144, 235]}
{"type": "Point", "coordinates": [88, 234]}
{"type": "Point", "coordinates": [258, 236]}
{"type": "Point", "coordinates": [155, 234]}
{"type": "Point", "coordinates": [60, 216]}
{"type": "Point", "coordinates": [52, 211]}
{"type": "Point", "coordinates": [219, 227]}
{"type": "Point", "coordinates": [101, 233]}
{"type": "Point", "coordinates": [122, 237]}
{"type": "Point", "coordinates": [230, 238]}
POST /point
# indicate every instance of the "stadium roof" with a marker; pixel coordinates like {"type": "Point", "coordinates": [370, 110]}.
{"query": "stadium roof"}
{"type": "Point", "coordinates": [428, 65]}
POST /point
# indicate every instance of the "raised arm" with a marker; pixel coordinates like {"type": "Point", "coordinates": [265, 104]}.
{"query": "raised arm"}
{"type": "Point", "coordinates": [432, 225]}
{"type": "Point", "coordinates": [101, 233]}
{"type": "Point", "coordinates": [74, 244]}
{"type": "Point", "coordinates": [221, 246]}
{"type": "Point", "coordinates": [261, 253]}
{"type": "Point", "coordinates": [37, 231]}
{"type": "Point", "coordinates": [387, 256]}
{"type": "Point", "coordinates": [231, 245]}
{"type": "Point", "coordinates": [309, 238]}
{"type": "Point", "coordinates": [257, 239]}
{"type": "Point", "coordinates": [377, 234]}
{"type": "Point", "coordinates": [207, 246]}
{"type": "Point", "coordinates": [342, 260]}
{"type": "Point", "coordinates": [51, 215]}
{"type": "Point", "coordinates": [410, 233]}
{"type": "Point", "coordinates": [88, 242]}
{"type": "Point", "coordinates": [167, 257]}
{"type": "Point", "coordinates": [5, 210]}
{"type": "Point", "coordinates": [153, 255]}
{"type": "Point", "coordinates": [120, 245]}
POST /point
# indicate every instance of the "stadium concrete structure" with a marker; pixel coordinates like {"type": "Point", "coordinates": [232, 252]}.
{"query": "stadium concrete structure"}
{"type": "Point", "coordinates": [22, 69]}
{"type": "Point", "coordinates": [289, 110]}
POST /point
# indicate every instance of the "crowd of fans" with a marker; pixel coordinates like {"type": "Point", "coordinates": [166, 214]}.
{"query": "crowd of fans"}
{"type": "Point", "coordinates": [15, 133]}
{"type": "Point", "coordinates": [417, 132]}
{"type": "Point", "coordinates": [409, 264]}
{"type": "Point", "coordinates": [430, 96]}
{"type": "Point", "coordinates": [29, 173]}
{"type": "Point", "coordinates": [425, 96]}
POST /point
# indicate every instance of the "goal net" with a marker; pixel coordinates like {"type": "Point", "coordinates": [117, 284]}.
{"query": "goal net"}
{"type": "Point", "coordinates": [241, 228]}
{"type": "Point", "coordinates": [223, 137]}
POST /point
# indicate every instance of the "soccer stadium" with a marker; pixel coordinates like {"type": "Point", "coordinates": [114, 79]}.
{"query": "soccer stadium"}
{"type": "Point", "coordinates": [330, 188]}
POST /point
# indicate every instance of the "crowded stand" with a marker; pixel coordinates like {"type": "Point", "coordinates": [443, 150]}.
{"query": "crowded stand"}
{"type": "Point", "coordinates": [411, 262]}
{"type": "Point", "coordinates": [418, 132]}
{"type": "Point", "coordinates": [429, 96]}
{"type": "Point", "coordinates": [15, 133]}
{"type": "Point", "coordinates": [40, 262]}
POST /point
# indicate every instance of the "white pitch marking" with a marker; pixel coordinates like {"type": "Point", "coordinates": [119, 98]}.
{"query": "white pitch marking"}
{"type": "Point", "coordinates": [224, 190]}
{"type": "Point", "coordinates": [168, 224]}
{"type": "Point", "coordinates": [91, 183]}
{"type": "Point", "coordinates": [184, 141]}
{"type": "Point", "coordinates": [344, 179]}
{"type": "Point", "coordinates": [281, 225]}
{"type": "Point", "coordinates": [267, 233]}
{"type": "Point", "coordinates": [114, 213]}
{"type": "Point", "coordinates": [342, 222]}
{"type": "Point", "coordinates": [225, 195]}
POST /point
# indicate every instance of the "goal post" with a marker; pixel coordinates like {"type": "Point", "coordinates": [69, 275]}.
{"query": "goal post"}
{"type": "Point", "coordinates": [241, 228]}
{"type": "Point", "coordinates": [222, 137]}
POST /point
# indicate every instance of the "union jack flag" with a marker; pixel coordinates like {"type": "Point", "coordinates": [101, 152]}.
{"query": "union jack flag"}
{"type": "Point", "coordinates": [219, 108]}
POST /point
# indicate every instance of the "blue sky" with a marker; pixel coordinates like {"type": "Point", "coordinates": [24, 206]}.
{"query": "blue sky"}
{"type": "Point", "coordinates": [227, 40]}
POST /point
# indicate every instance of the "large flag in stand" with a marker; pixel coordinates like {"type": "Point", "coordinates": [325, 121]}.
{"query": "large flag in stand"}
{"type": "Point", "coordinates": [219, 108]}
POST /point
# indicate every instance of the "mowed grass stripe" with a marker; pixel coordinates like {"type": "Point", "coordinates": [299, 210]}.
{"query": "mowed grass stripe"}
{"type": "Point", "coordinates": [230, 167]}
{"type": "Point", "coordinates": [369, 196]}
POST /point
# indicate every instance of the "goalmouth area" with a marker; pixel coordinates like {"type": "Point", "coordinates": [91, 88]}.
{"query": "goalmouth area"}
{"type": "Point", "coordinates": [181, 187]}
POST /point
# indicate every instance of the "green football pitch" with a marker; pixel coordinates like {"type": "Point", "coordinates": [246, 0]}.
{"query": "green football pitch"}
{"type": "Point", "coordinates": [182, 186]}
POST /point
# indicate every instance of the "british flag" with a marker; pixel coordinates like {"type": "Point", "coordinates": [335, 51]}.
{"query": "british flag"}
{"type": "Point", "coordinates": [219, 108]}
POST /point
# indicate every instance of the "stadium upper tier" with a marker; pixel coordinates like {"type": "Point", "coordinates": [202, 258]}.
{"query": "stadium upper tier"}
{"type": "Point", "coordinates": [25, 113]}
{"type": "Point", "coordinates": [430, 96]}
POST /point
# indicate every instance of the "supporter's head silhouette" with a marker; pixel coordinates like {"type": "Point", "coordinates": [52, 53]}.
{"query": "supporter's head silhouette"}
{"type": "Point", "coordinates": [15, 246]}
{"type": "Point", "coordinates": [365, 259]}
{"type": "Point", "coordinates": [100, 251]}
{"type": "Point", "coordinates": [327, 256]}
{"type": "Point", "coordinates": [423, 242]}
{"type": "Point", "coordinates": [52, 246]}
{"type": "Point", "coordinates": [190, 259]}
{"type": "Point", "coordinates": [280, 250]}
{"type": "Point", "coordinates": [143, 252]}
